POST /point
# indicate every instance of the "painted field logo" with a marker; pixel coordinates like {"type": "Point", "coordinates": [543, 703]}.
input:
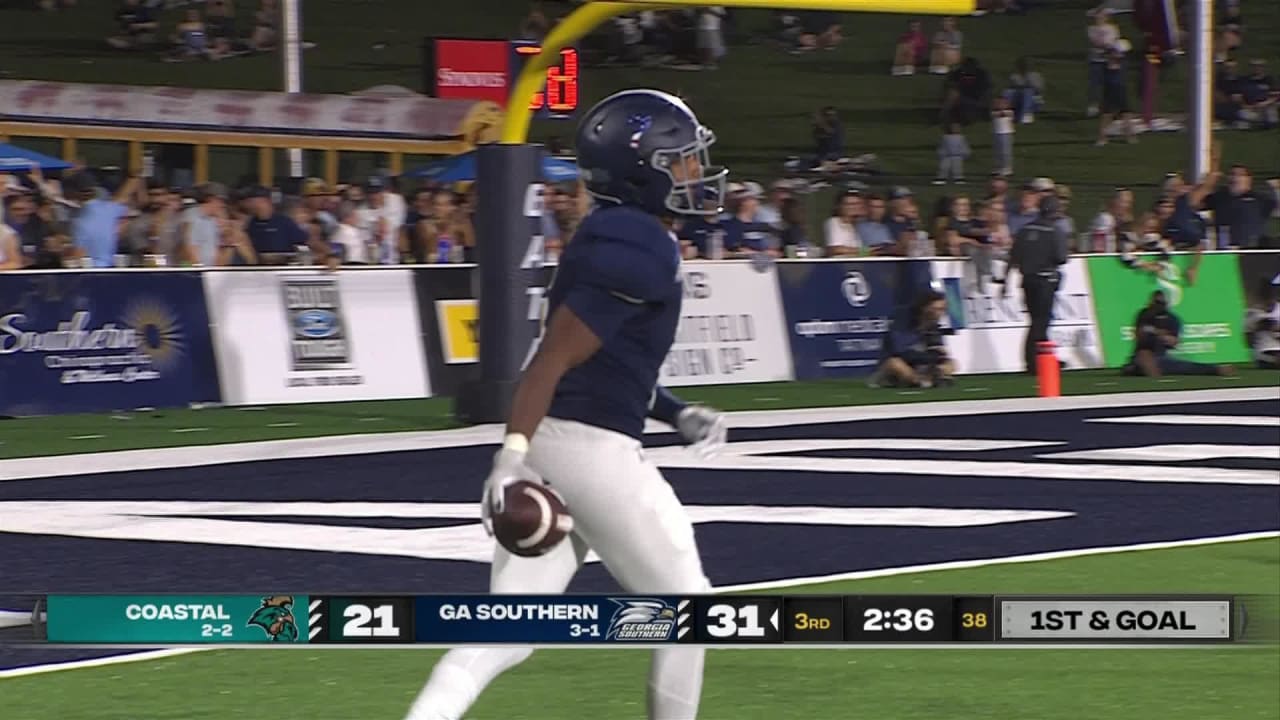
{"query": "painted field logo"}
{"type": "Point", "coordinates": [275, 617]}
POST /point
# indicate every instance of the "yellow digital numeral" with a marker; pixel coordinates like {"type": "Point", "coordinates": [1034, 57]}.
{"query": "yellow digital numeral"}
{"type": "Point", "coordinates": [973, 620]}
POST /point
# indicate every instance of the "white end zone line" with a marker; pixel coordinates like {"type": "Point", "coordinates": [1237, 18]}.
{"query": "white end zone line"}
{"type": "Point", "coordinates": [789, 583]}
{"type": "Point", "coordinates": [372, 443]}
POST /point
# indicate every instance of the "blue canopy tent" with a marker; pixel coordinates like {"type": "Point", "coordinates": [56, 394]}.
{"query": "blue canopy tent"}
{"type": "Point", "coordinates": [17, 159]}
{"type": "Point", "coordinates": [462, 168]}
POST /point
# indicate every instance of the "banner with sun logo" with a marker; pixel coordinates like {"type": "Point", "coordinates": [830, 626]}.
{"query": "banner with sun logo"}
{"type": "Point", "coordinates": [91, 342]}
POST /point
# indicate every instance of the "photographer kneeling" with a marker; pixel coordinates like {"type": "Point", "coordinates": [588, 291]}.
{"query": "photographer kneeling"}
{"type": "Point", "coordinates": [914, 353]}
{"type": "Point", "coordinates": [1156, 331]}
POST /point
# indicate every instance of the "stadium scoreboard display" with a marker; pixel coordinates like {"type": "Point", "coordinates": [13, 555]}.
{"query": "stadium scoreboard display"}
{"type": "Point", "coordinates": [448, 620]}
{"type": "Point", "coordinates": [470, 69]}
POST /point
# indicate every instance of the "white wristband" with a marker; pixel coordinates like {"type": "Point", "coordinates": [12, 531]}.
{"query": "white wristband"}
{"type": "Point", "coordinates": [516, 442]}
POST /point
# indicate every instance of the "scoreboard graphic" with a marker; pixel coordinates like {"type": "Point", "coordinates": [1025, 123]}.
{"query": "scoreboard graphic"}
{"type": "Point", "coordinates": [285, 620]}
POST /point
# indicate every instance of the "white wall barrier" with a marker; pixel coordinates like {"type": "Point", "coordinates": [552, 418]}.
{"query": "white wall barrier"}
{"type": "Point", "coordinates": [731, 327]}
{"type": "Point", "coordinates": [296, 336]}
{"type": "Point", "coordinates": [990, 328]}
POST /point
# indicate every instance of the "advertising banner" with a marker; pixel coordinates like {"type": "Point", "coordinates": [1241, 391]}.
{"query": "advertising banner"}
{"type": "Point", "coordinates": [448, 312]}
{"type": "Point", "coordinates": [731, 327]}
{"type": "Point", "coordinates": [838, 312]}
{"type": "Point", "coordinates": [293, 336]}
{"type": "Point", "coordinates": [1211, 308]}
{"type": "Point", "coordinates": [101, 341]}
{"type": "Point", "coordinates": [991, 327]}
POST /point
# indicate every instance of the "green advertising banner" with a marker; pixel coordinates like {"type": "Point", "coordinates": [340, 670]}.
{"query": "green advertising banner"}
{"type": "Point", "coordinates": [1211, 309]}
{"type": "Point", "coordinates": [176, 619]}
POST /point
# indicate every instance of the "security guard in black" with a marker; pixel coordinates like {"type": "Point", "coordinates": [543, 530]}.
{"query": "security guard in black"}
{"type": "Point", "coordinates": [1038, 251]}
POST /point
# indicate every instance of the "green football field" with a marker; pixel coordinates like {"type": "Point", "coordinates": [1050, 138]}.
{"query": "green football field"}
{"type": "Point", "coordinates": [873, 684]}
{"type": "Point", "coordinates": [1237, 683]}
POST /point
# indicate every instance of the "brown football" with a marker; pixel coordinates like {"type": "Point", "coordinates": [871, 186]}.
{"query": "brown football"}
{"type": "Point", "coordinates": [533, 521]}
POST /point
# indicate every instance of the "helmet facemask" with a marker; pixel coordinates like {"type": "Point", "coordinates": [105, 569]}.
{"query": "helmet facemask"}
{"type": "Point", "coordinates": [700, 195]}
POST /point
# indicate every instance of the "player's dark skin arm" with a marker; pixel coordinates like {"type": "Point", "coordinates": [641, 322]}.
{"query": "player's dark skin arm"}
{"type": "Point", "coordinates": [568, 343]}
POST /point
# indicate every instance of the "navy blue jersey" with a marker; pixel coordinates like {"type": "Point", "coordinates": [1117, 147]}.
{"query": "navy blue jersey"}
{"type": "Point", "coordinates": [747, 235]}
{"type": "Point", "coordinates": [621, 276]}
{"type": "Point", "coordinates": [1185, 227]}
{"type": "Point", "coordinates": [699, 230]}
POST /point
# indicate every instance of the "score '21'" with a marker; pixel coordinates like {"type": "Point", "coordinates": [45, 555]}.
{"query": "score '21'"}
{"type": "Point", "coordinates": [561, 94]}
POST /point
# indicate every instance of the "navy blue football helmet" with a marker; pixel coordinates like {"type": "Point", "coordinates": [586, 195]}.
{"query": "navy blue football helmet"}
{"type": "Point", "coordinates": [637, 147]}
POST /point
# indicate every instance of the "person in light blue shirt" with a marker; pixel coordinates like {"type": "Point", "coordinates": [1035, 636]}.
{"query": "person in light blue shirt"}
{"type": "Point", "coordinates": [96, 232]}
{"type": "Point", "coordinates": [873, 232]}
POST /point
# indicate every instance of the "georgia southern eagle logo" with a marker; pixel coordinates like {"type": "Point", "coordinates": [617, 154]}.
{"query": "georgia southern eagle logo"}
{"type": "Point", "coordinates": [275, 617]}
{"type": "Point", "coordinates": [641, 619]}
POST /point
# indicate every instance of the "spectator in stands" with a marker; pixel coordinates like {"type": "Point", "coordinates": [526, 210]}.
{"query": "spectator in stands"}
{"type": "Point", "coordinates": [320, 201]}
{"type": "Point", "coordinates": [915, 354]}
{"type": "Point", "coordinates": [993, 221]}
{"type": "Point", "coordinates": [793, 227]}
{"type": "Point", "coordinates": [819, 29]}
{"type": "Point", "coordinates": [1157, 330]}
{"type": "Point", "coordinates": [234, 246]}
{"type": "Point", "coordinates": [1115, 96]}
{"type": "Point", "coordinates": [98, 224]}
{"type": "Point", "coordinates": [382, 221]}
{"type": "Point", "coordinates": [275, 237]}
{"type": "Point", "coordinates": [535, 25]}
{"type": "Point", "coordinates": [138, 23]}
{"type": "Point", "coordinates": [770, 211]}
{"type": "Point", "coordinates": [710, 35]}
{"type": "Point", "coordinates": [449, 235]}
{"type": "Point", "coordinates": [967, 236]}
{"type": "Point", "coordinates": [1240, 212]}
{"type": "Point", "coordinates": [904, 221]}
{"type": "Point", "coordinates": [220, 23]}
{"type": "Point", "coordinates": [417, 226]}
{"type": "Point", "coordinates": [1231, 29]}
{"type": "Point", "coordinates": [1260, 96]}
{"type": "Point", "coordinates": [1262, 325]}
{"type": "Point", "coordinates": [966, 93]}
{"type": "Point", "coordinates": [266, 23]}
{"type": "Point", "coordinates": [912, 50]}
{"type": "Point", "coordinates": [1228, 97]}
{"type": "Point", "coordinates": [1064, 223]}
{"type": "Point", "coordinates": [840, 234]}
{"type": "Point", "coordinates": [10, 249]}
{"type": "Point", "coordinates": [1025, 92]}
{"type": "Point", "coordinates": [155, 230]}
{"type": "Point", "coordinates": [201, 227]}
{"type": "Point", "coordinates": [190, 39]}
{"type": "Point", "coordinates": [998, 188]}
{"type": "Point", "coordinates": [953, 148]}
{"type": "Point", "coordinates": [947, 45]}
{"type": "Point", "coordinates": [20, 216]}
{"type": "Point", "coordinates": [1103, 35]}
{"type": "Point", "coordinates": [1111, 224]}
{"type": "Point", "coordinates": [350, 241]}
{"type": "Point", "coordinates": [743, 236]}
{"type": "Point", "coordinates": [828, 136]}
{"type": "Point", "coordinates": [1002, 136]}
{"type": "Point", "coordinates": [872, 231]}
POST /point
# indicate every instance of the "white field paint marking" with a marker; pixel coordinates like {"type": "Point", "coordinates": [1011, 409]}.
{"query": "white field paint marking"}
{"type": "Point", "coordinates": [364, 444]}
{"type": "Point", "coordinates": [789, 583]}
{"type": "Point", "coordinates": [282, 424]}
{"type": "Point", "coordinates": [977, 389]}
{"type": "Point", "coordinates": [368, 419]}
{"type": "Point", "coordinates": [151, 520]}
{"type": "Point", "coordinates": [85, 437]}
{"type": "Point", "coordinates": [756, 456]}
{"type": "Point", "coordinates": [1173, 452]}
{"type": "Point", "coordinates": [189, 430]}
{"type": "Point", "coordinates": [1232, 420]}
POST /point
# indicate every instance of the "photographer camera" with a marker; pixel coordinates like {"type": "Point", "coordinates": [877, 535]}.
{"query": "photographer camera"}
{"type": "Point", "coordinates": [1156, 331]}
{"type": "Point", "coordinates": [915, 354]}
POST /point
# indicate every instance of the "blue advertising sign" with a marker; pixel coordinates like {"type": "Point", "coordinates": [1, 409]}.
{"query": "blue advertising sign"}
{"type": "Point", "coordinates": [838, 312]}
{"type": "Point", "coordinates": [90, 342]}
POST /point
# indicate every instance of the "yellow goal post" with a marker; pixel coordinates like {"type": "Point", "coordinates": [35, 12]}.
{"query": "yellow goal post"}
{"type": "Point", "coordinates": [585, 18]}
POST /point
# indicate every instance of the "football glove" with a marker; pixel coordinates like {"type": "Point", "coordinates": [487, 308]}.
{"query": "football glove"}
{"type": "Point", "coordinates": [704, 430]}
{"type": "Point", "coordinates": [508, 467]}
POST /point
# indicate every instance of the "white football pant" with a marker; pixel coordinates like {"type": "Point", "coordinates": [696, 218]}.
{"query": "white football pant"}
{"type": "Point", "coordinates": [626, 512]}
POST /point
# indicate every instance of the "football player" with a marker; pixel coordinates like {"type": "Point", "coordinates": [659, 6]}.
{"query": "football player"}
{"type": "Point", "coordinates": [578, 415]}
